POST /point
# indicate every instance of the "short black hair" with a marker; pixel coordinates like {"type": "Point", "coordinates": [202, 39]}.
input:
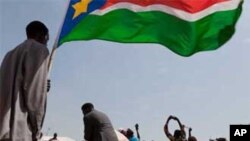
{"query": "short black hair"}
{"type": "Point", "coordinates": [87, 106]}
{"type": "Point", "coordinates": [130, 133]}
{"type": "Point", "coordinates": [35, 29]}
{"type": "Point", "coordinates": [177, 133]}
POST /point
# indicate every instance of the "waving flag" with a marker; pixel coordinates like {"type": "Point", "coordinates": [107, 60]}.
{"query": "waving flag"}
{"type": "Point", "coordinates": [183, 26]}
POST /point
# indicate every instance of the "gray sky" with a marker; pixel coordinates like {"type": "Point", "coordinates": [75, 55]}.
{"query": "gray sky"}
{"type": "Point", "coordinates": [137, 83]}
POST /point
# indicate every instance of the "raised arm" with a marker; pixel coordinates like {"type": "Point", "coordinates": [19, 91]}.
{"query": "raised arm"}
{"type": "Point", "coordinates": [181, 127]}
{"type": "Point", "coordinates": [189, 132]}
{"type": "Point", "coordinates": [179, 123]}
{"type": "Point", "coordinates": [166, 130]}
{"type": "Point", "coordinates": [137, 131]}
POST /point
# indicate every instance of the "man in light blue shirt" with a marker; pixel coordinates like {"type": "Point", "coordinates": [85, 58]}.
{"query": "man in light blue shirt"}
{"type": "Point", "coordinates": [130, 135]}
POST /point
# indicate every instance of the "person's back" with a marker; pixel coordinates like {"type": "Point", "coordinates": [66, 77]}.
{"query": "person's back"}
{"type": "Point", "coordinates": [98, 127]}
{"type": "Point", "coordinates": [22, 91]}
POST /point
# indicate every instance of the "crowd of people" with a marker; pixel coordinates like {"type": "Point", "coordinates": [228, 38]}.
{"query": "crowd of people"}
{"type": "Point", "coordinates": [23, 96]}
{"type": "Point", "coordinates": [98, 127]}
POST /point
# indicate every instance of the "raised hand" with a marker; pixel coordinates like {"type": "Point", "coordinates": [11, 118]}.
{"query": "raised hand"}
{"type": "Point", "coordinates": [137, 126]}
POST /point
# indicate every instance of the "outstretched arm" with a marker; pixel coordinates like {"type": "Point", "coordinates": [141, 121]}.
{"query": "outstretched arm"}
{"type": "Point", "coordinates": [166, 130]}
{"type": "Point", "coordinates": [189, 132]}
{"type": "Point", "coordinates": [137, 131]}
{"type": "Point", "coordinates": [181, 126]}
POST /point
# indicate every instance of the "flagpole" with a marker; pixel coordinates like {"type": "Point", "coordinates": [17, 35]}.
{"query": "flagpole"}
{"type": "Point", "coordinates": [55, 45]}
{"type": "Point", "coordinates": [51, 57]}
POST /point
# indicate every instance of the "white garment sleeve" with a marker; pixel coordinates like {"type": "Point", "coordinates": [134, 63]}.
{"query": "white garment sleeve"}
{"type": "Point", "coordinates": [35, 84]}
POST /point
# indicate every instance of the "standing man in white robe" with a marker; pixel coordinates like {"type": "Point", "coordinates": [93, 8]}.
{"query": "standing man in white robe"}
{"type": "Point", "coordinates": [23, 86]}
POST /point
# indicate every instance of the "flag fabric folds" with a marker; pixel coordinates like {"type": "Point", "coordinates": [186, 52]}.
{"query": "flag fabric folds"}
{"type": "Point", "coordinates": [183, 26]}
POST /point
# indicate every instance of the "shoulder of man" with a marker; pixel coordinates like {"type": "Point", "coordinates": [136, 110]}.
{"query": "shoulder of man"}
{"type": "Point", "coordinates": [96, 114]}
{"type": "Point", "coordinates": [16, 52]}
{"type": "Point", "coordinates": [30, 45]}
{"type": "Point", "coordinates": [36, 46]}
{"type": "Point", "coordinates": [16, 49]}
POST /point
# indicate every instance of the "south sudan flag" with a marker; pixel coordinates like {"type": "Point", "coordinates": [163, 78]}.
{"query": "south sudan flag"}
{"type": "Point", "coordinates": [183, 26]}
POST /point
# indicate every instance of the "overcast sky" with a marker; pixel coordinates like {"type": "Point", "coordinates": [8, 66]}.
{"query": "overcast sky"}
{"type": "Point", "coordinates": [137, 83]}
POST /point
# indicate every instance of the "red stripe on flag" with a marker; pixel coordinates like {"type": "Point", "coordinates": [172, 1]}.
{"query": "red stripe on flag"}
{"type": "Point", "coordinates": [191, 6]}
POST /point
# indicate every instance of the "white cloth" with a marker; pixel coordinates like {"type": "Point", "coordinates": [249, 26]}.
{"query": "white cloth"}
{"type": "Point", "coordinates": [23, 82]}
{"type": "Point", "coordinates": [120, 136]}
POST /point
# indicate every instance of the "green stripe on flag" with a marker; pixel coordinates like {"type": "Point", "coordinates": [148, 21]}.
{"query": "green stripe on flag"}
{"type": "Point", "coordinates": [182, 37]}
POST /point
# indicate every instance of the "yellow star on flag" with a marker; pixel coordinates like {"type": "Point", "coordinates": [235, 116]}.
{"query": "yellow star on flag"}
{"type": "Point", "coordinates": [80, 7]}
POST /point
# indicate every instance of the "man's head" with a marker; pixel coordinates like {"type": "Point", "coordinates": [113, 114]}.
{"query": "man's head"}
{"type": "Point", "coordinates": [177, 134]}
{"type": "Point", "coordinates": [87, 107]}
{"type": "Point", "coordinates": [38, 31]}
{"type": "Point", "coordinates": [55, 135]}
{"type": "Point", "coordinates": [130, 133]}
